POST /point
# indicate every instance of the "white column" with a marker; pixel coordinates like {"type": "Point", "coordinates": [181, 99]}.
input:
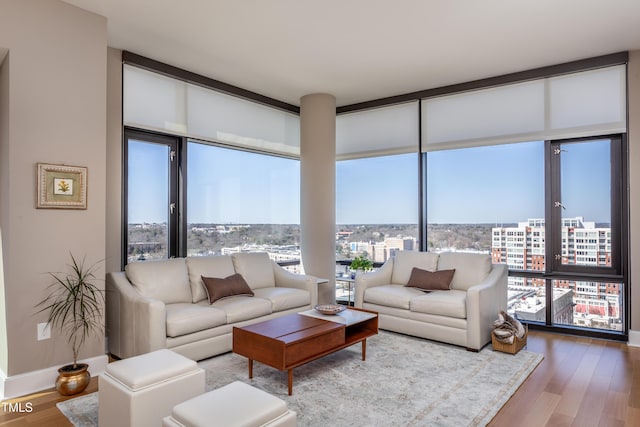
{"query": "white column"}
{"type": "Point", "coordinates": [318, 190]}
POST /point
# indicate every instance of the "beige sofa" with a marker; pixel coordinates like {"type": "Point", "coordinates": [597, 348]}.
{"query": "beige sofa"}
{"type": "Point", "coordinates": [163, 304]}
{"type": "Point", "coordinates": [462, 315]}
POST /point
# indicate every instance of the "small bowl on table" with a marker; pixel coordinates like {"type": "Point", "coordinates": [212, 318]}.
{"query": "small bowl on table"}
{"type": "Point", "coordinates": [329, 308]}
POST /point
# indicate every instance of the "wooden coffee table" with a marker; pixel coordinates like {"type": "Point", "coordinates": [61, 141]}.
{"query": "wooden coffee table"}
{"type": "Point", "coordinates": [293, 340]}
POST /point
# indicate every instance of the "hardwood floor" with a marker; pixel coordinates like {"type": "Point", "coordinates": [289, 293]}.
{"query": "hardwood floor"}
{"type": "Point", "coordinates": [581, 382]}
{"type": "Point", "coordinates": [44, 411]}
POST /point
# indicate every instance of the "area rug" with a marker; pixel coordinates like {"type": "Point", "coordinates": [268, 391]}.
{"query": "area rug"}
{"type": "Point", "coordinates": [81, 411]}
{"type": "Point", "coordinates": [405, 381]}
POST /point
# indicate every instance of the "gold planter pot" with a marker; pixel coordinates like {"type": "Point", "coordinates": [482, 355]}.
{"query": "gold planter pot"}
{"type": "Point", "coordinates": [72, 380]}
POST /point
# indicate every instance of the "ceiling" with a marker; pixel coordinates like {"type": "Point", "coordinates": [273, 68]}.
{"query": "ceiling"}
{"type": "Point", "coordinates": [359, 50]}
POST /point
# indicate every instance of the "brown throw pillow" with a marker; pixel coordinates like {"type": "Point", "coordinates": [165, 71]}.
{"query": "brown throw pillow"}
{"type": "Point", "coordinates": [218, 289]}
{"type": "Point", "coordinates": [430, 280]}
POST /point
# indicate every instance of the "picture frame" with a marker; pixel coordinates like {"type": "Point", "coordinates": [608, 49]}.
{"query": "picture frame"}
{"type": "Point", "coordinates": [61, 186]}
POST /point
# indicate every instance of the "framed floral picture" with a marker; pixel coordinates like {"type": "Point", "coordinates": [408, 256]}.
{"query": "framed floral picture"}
{"type": "Point", "coordinates": [61, 187]}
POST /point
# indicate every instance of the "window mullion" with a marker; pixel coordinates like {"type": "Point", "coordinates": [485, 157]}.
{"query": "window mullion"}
{"type": "Point", "coordinates": [174, 211]}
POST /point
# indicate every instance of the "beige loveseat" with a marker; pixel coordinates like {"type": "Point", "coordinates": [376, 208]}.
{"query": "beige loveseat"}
{"type": "Point", "coordinates": [462, 315]}
{"type": "Point", "coordinates": [163, 304]}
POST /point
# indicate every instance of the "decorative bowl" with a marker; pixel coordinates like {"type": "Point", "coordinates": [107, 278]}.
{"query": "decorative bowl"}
{"type": "Point", "coordinates": [329, 308]}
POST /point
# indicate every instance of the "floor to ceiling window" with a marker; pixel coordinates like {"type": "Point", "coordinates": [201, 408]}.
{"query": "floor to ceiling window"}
{"type": "Point", "coordinates": [239, 201]}
{"type": "Point", "coordinates": [233, 200]}
{"type": "Point", "coordinates": [377, 194]}
{"type": "Point", "coordinates": [585, 242]}
{"type": "Point", "coordinates": [150, 196]}
{"type": "Point", "coordinates": [492, 199]}
{"type": "Point", "coordinates": [207, 172]}
{"type": "Point", "coordinates": [552, 210]}
{"type": "Point", "coordinates": [532, 172]}
{"type": "Point", "coordinates": [472, 191]}
{"type": "Point", "coordinates": [376, 206]}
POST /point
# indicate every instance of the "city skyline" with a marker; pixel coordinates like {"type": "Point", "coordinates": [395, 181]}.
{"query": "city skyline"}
{"type": "Point", "coordinates": [581, 302]}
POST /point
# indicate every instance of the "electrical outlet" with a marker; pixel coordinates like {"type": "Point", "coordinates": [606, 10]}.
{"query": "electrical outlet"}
{"type": "Point", "coordinates": [44, 331]}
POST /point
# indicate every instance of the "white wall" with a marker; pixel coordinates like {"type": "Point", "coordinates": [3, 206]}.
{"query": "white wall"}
{"type": "Point", "coordinates": [53, 85]}
{"type": "Point", "coordinates": [4, 188]}
{"type": "Point", "coordinates": [318, 190]}
{"type": "Point", "coordinates": [634, 193]}
{"type": "Point", "coordinates": [114, 161]}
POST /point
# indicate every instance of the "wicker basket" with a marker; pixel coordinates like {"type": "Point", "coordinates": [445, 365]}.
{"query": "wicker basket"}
{"type": "Point", "coordinates": [517, 344]}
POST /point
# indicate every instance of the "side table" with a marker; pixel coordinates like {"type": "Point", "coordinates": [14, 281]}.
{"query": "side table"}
{"type": "Point", "coordinates": [345, 291]}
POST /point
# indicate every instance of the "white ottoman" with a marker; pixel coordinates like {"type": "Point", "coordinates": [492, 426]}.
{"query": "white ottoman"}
{"type": "Point", "coordinates": [141, 390]}
{"type": "Point", "coordinates": [234, 405]}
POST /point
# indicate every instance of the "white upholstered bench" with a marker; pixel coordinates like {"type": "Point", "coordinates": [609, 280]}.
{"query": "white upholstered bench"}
{"type": "Point", "coordinates": [233, 405]}
{"type": "Point", "coordinates": [142, 390]}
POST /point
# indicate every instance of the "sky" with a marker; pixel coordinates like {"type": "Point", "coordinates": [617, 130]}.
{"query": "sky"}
{"type": "Point", "coordinates": [148, 178]}
{"type": "Point", "coordinates": [232, 186]}
{"type": "Point", "coordinates": [377, 190]}
{"type": "Point", "coordinates": [505, 183]}
{"type": "Point", "coordinates": [500, 184]}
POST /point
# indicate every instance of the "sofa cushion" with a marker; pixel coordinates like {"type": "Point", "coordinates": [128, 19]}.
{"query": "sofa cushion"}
{"type": "Point", "coordinates": [471, 268]}
{"type": "Point", "coordinates": [256, 268]}
{"type": "Point", "coordinates": [284, 298]}
{"type": "Point", "coordinates": [165, 280]}
{"type": "Point", "coordinates": [430, 280]}
{"type": "Point", "coordinates": [207, 266]}
{"type": "Point", "coordinates": [239, 308]}
{"type": "Point", "coordinates": [186, 318]}
{"type": "Point", "coordinates": [224, 288]}
{"type": "Point", "coordinates": [451, 303]}
{"type": "Point", "coordinates": [391, 295]}
{"type": "Point", "coordinates": [404, 261]}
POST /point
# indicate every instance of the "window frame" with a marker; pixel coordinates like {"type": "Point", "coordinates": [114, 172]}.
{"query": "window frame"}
{"type": "Point", "coordinates": [621, 179]}
{"type": "Point", "coordinates": [619, 271]}
{"type": "Point", "coordinates": [554, 270]}
{"type": "Point", "coordinates": [173, 143]}
{"type": "Point", "coordinates": [553, 227]}
{"type": "Point", "coordinates": [184, 172]}
{"type": "Point", "coordinates": [178, 177]}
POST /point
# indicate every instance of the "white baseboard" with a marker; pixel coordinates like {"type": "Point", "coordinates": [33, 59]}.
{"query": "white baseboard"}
{"type": "Point", "coordinates": [634, 338]}
{"type": "Point", "coordinates": [31, 382]}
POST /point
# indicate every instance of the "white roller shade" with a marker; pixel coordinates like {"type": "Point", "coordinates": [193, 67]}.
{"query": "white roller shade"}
{"type": "Point", "coordinates": [588, 103]}
{"type": "Point", "coordinates": [152, 101]}
{"type": "Point", "coordinates": [488, 113]}
{"type": "Point", "coordinates": [378, 132]}
{"type": "Point", "coordinates": [589, 100]}
{"type": "Point", "coordinates": [215, 116]}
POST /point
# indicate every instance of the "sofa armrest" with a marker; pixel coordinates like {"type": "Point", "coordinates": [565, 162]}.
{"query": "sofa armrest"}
{"type": "Point", "coordinates": [287, 279]}
{"type": "Point", "coordinates": [381, 276]}
{"type": "Point", "coordinates": [484, 302]}
{"type": "Point", "coordinates": [135, 324]}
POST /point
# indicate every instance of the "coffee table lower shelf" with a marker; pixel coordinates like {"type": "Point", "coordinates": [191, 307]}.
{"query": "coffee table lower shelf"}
{"type": "Point", "coordinates": [287, 342]}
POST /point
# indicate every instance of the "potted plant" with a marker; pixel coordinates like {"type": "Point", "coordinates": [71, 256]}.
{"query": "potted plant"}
{"type": "Point", "coordinates": [361, 263]}
{"type": "Point", "coordinates": [75, 307]}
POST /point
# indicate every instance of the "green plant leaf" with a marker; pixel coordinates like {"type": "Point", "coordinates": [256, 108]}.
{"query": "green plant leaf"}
{"type": "Point", "coordinates": [75, 304]}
